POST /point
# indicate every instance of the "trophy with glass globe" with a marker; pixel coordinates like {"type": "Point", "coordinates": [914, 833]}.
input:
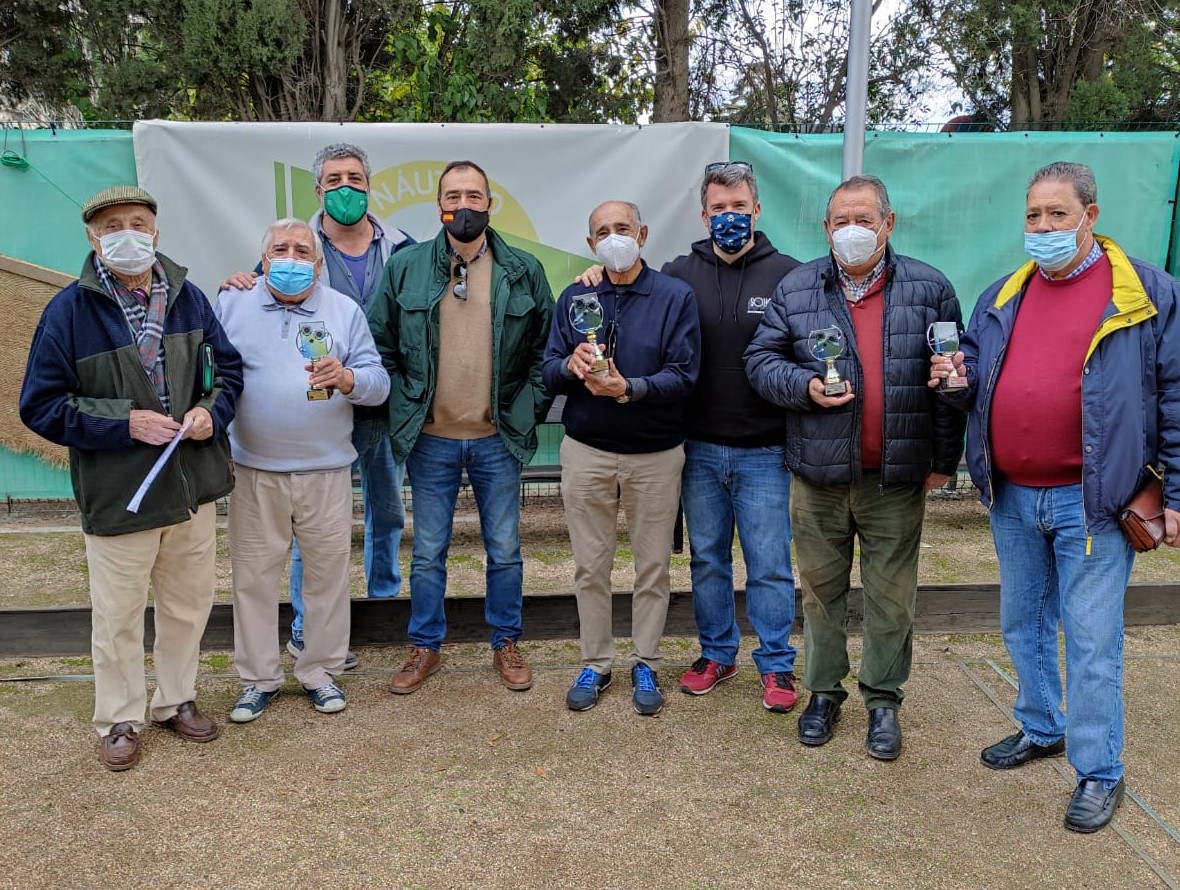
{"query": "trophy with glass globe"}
{"type": "Point", "coordinates": [943, 337]}
{"type": "Point", "coordinates": [827, 345]}
{"type": "Point", "coordinates": [586, 318]}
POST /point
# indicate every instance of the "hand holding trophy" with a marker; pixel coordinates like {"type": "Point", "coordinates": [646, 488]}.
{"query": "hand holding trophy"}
{"type": "Point", "coordinates": [314, 343]}
{"type": "Point", "coordinates": [943, 337]}
{"type": "Point", "coordinates": [827, 345]}
{"type": "Point", "coordinates": [586, 318]}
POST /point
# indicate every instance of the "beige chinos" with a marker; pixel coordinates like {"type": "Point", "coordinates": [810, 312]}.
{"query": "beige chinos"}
{"type": "Point", "coordinates": [178, 561]}
{"type": "Point", "coordinates": [265, 511]}
{"type": "Point", "coordinates": [593, 484]}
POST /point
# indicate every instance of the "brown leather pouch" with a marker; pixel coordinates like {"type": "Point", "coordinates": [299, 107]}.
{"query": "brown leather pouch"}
{"type": "Point", "coordinates": [1142, 520]}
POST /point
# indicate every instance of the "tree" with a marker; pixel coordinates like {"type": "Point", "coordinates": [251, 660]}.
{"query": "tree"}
{"type": "Point", "coordinates": [510, 60]}
{"type": "Point", "coordinates": [784, 63]}
{"type": "Point", "coordinates": [672, 43]}
{"type": "Point", "coordinates": [1030, 62]}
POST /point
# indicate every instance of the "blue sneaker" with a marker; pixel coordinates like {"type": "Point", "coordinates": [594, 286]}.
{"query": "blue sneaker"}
{"type": "Point", "coordinates": [646, 697]}
{"type": "Point", "coordinates": [251, 703]}
{"type": "Point", "coordinates": [295, 646]}
{"type": "Point", "coordinates": [583, 695]}
{"type": "Point", "coordinates": [327, 699]}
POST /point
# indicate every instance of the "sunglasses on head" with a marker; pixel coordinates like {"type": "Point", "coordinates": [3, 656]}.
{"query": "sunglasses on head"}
{"type": "Point", "coordinates": [725, 165]}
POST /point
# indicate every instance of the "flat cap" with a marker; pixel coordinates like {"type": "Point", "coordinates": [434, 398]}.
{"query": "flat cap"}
{"type": "Point", "coordinates": [117, 194]}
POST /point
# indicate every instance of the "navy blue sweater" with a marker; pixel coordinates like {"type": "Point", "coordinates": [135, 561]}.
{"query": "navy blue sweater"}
{"type": "Point", "coordinates": [651, 326]}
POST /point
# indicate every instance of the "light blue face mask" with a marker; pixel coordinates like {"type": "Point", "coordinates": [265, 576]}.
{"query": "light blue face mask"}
{"type": "Point", "coordinates": [1053, 250]}
{"type": "Point", "coordinates": [290, 277]}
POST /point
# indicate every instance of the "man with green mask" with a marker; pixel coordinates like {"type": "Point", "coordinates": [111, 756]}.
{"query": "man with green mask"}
{"type": "Point", "coordinates": [356, 248]}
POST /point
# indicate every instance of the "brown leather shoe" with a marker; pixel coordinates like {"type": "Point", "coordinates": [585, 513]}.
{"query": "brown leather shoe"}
{"type": "Point", "coordinates": [120, 749]}
{"type": "Point", "coordinates": [515, 672]}
{"type": "Point", "coordinates": [190, 724]}
{"type": "Point", "coordinates": [420, 665]}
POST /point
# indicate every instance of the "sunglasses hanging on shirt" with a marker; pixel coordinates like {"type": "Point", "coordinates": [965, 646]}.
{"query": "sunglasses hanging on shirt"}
{"type": "Point", "coordinates": [459, 271]}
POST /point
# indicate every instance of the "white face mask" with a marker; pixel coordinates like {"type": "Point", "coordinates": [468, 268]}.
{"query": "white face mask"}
{"type": "Point", "coordinates": [855, 245]}
{"type": "Point", "coordinates": [128, 251]}
{"type": "Point", "coordinates": [617, 252]}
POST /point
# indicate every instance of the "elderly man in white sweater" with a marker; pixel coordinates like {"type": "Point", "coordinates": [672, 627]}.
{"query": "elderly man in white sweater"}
{"type": "Point", "coordinates": [307, 358]}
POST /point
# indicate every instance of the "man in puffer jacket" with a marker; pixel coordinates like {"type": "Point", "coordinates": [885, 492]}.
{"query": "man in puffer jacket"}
{"type": "Point", "coordinates": [864, 458]}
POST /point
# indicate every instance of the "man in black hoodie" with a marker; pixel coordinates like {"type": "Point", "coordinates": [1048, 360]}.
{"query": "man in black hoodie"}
{"type": "Point", "coordinates": [734, 470]}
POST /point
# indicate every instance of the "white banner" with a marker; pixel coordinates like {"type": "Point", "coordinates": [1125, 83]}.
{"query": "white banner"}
{"type": "Point", "coordinates": [220, 184]}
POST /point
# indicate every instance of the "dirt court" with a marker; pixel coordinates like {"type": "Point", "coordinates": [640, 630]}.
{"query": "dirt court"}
{"type": "Point", "coordinates": [467, 785]}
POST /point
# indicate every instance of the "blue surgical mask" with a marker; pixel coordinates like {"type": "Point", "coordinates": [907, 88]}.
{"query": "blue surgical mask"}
{"type": "Point", "coordinates": [1053, 250]}
{"type": "Point", "coordinates": [290, 277]}
{"type": "Point", "coordinates": [731, 231]}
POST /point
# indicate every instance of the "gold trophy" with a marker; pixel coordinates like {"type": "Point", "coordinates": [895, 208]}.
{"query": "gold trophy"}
{"type": "Point", "coordinates": [943, 337]}
{"type": "Point", "coordinates": [827, 345]}
{"type": "Point", "coordinates": [586, 318]}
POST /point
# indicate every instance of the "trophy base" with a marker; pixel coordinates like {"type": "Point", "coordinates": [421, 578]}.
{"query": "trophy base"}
{"type": "Point", "coordinates": [600, 369]}
{"type": "Point", "coordinates": [836, 388]}
{"type": "Point", "coordinates": [951, 383]}
{"type": "Point", "coordinates": [319, 395]}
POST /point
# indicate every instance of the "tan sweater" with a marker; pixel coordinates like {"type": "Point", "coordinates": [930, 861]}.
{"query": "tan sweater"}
{"type": "Point", "coordinates": [462, 407]}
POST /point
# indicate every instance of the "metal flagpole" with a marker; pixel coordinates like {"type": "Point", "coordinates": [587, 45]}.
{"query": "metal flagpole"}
{"type": "Point", "coordinates": [857, 94]}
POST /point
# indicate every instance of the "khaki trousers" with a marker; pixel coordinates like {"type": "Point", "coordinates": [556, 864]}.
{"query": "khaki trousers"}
{"type": "Point", "coordinates": [265, 511]}
{"type": "Point", "coordinates": [178, 561]}
{"type": "Point", "coordinates": [593, 484]}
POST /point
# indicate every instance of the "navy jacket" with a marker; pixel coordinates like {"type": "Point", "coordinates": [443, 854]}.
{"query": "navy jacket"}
{"type": "Point", "coordinates": [652, 326]}
{"type": "Point", "coordinates": [83, 378]}
{"type": "Point", "coordinates": [1130, 385]}
{"type": "Point", "coordinates": [922, 434]}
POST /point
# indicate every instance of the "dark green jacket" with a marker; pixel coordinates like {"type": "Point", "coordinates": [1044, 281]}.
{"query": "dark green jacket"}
{"type": "Point", "coordinates": [83, 378]}
{"type": "Point", "coordinates": [403, 316]}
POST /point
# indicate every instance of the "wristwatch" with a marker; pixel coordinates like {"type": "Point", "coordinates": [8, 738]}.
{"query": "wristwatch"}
{"type": "Point", "coordinates": [626, 396]}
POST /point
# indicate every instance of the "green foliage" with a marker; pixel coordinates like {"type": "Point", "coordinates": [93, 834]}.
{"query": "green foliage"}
{"type": "Point", "coordinates": [1091, 103]}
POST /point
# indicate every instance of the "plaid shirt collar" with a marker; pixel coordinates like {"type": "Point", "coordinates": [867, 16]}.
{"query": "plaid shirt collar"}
{"type": "Point", "coordinates": [1091, 258]}
{"type": "Point", "coordinates": [854, 292]}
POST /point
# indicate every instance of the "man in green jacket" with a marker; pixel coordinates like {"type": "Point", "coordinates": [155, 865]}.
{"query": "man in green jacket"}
{"type": "Point", "coordinates": [461, 323]}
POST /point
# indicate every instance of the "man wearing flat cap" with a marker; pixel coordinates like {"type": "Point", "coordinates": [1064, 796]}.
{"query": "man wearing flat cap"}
{"type": "Point", "coordinates": [124, 361]}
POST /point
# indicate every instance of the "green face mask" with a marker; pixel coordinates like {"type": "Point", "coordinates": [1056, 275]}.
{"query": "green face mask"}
{"type": "Point", "coordinates": [346, 205]}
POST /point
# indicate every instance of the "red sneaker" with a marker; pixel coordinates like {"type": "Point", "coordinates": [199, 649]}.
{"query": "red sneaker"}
{"type": "Point", "coordinates": [704, 675]}
{"type": "Point", "coordinates": [778, 692]}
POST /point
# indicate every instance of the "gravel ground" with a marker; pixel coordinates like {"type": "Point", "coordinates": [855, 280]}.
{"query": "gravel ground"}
{"type": "Point", "coordinates": [465, 784]}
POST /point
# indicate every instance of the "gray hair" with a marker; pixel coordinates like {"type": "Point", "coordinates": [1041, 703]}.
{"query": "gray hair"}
{"type": "Point", "coordinates": [291, 222]}
{"type": "Point", "coordinates": [1079, 176]}
{"type": "Point", "coordinates": [862, 182]}
{"type": "Point", "coordinates": [634, 208]}
{"type": "Point", "coordinates": [731, 176]}
{"type": "Point", "coordinates": [335, 152]}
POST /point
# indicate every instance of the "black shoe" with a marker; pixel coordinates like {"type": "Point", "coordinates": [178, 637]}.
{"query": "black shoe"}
{"type": "Point", "coordinates": [1017, 750]}
{"type": "Point", "coordinates": [884, 739]}
{"type": "Point", "coordinates": [1093, 805]}
{"type": "Point", "coordinates": [818, 721]}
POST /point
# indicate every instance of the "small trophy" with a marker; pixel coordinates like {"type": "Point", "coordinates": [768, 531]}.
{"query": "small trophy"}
{"type": "Point", "coordinates": [586, 318]}
{"type": "Point", "coordinates": [314, 343]}
{"type": "Point", "coordinates": [827, 345]}
{"type": "Point", "coordinates": [943, 337]}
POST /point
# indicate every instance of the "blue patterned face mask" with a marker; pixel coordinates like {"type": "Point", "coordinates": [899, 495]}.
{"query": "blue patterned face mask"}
{"type": "Point", "coordinates": [731, 231]}
{"type": "Point", "coordinates": [291, 277]}
{"type": "Point", "coordinates": [1053, 250]}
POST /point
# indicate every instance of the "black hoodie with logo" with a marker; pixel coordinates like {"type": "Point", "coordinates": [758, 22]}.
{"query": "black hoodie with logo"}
{"type": "Point", "coordinates": [724, 409]}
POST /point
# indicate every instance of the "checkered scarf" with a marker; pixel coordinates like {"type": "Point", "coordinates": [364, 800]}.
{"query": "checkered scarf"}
{"type": "Point", "coordinates": [146, 319]}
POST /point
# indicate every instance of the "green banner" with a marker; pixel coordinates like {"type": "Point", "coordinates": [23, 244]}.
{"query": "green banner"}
{"type": "Point", "coordinates": [959, 197]}
{"type": "Point", "coordinates": [45, 176]}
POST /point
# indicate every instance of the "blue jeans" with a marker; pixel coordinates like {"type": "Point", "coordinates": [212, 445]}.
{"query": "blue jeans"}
{"type": "Point", "coordinates": [385, 517]}
{"type": "Point", "coordinates": [749, 489]}
{"type": "Point", "coordinates": [1047, 580]}
{"type": "Point", "coordinates": [436, 466]}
